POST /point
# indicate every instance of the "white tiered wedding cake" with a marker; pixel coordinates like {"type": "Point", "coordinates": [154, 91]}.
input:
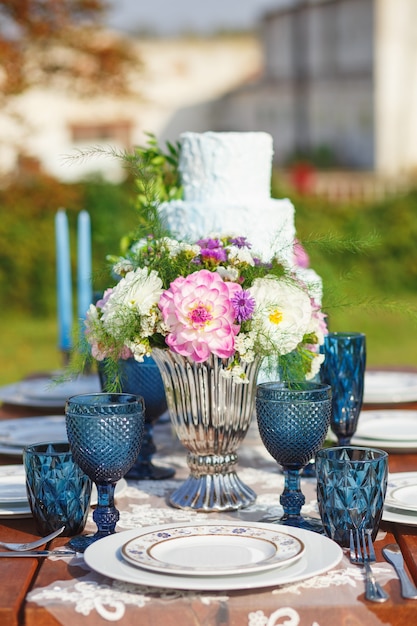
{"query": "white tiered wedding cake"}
{"type": "Point", "coordinates": [226, 179]}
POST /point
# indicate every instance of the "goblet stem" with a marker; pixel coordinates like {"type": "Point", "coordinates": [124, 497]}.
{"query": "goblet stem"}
{"type": "Point", "coordinates": [292, 498]}
{"type": "Point", "coordinates": [105, 515]}
{"type": "Point", "coordinates": [343, 441]}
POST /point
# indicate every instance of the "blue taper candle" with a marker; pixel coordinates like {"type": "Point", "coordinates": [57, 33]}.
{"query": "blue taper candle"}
{"type": "Point", "coordinates": [84, 281]}
{"type": "Point", "coordinates": [64, 282]}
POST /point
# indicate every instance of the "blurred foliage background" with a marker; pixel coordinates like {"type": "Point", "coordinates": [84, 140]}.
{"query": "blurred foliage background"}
{"type": "Point", "coordinates": [373, 290]}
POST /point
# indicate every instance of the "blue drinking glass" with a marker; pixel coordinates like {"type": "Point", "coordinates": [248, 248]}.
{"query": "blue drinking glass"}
{"type": "Point", "coordinates": [105, 432]}
{"type": "Point", "coordinates": [143, 378]}
{"type": "Point", "coordinates": [351, 487]}
{"type": "Point", "coordinates": [344, 370]}
{"type": "Point", "coordinates": [293, 420]}
{"type": "Point", "coordinates": [58, 490]}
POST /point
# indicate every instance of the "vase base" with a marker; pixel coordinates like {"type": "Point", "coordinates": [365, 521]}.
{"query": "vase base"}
{"type": "Point", "coordinates": [213, 492]}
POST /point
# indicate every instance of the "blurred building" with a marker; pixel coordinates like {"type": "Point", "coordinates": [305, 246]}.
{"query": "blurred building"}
{"type": "Point", "coordinates": [340, 80]}
{"type": "Point", "coordinates": [328, 79]}
{"type": "Point", "coordinates": [52, 128]}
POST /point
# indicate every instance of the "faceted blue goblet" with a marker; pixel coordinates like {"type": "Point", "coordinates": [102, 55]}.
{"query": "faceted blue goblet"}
{"type": "Point", "coordinates": [143, 378]}
{"type": "Point", "coordinates": [105, 432]}
{"type": "Point", "coordinates": [351, 487]}
{"type": "Point", "coordinates": [344, 370]}
{"type": "Point", "coordinates": [293, 420]}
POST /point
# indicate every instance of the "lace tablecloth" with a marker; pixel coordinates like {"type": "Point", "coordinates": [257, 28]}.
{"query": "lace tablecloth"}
{"type": "Point", "coordinates": [91, 599]}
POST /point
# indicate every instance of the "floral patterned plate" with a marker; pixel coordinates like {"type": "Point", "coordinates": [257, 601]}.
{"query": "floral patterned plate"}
{"type": "Point", "coordinates": [212, 550]}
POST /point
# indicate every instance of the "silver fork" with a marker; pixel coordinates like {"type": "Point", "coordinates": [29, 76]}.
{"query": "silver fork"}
{"type": "Point", "coordinates": [31, 545]}
{"type": "Point", "coordinates": [362, 553]}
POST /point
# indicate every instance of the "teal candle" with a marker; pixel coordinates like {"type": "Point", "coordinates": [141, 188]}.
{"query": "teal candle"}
{"type": "Point", "coordinates": [84, 282]}
{"type": "Point", "coordinates": [64, 286]}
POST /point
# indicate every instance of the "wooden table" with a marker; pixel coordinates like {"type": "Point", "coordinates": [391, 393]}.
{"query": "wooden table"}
{"type": "Point", "coordinates": [335, 598]}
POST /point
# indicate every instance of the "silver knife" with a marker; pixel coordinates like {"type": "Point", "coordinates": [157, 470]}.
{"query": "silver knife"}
{"type": "Point", "coordinates": [36, 553]}
{"type": "Point", "coordinates": [393, 555]}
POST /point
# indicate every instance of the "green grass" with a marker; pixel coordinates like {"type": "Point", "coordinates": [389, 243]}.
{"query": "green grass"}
{"type": "Point", "coordinates": [28, 345]}
{"type": "Point", "coordinates": [391, 338]}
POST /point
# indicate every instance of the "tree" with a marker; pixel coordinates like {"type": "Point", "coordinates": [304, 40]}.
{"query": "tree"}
{"type": "Point", "coordinates": [61, 41]}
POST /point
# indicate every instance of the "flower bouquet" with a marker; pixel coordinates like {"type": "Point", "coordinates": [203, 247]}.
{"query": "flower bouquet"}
{"type": "Point", "coordinates": [209, 298]}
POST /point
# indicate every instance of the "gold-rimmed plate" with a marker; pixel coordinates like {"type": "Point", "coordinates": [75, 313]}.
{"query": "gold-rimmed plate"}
{"type": "Point", "coordinates": [212, 549]}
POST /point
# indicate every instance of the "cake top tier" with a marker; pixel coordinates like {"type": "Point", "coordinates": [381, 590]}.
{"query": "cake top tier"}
{"type": "Point", "coordinates": [226, 167]}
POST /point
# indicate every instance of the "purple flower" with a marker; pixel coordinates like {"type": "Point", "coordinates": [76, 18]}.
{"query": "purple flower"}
{"type": "Point", "coordinates": [217, 255]}
{"type": "Point", "coordinates": [240, 242]}
{"type": "Point", "coordinates": [212, 251]}
{"type": "Point", "coordinates": [209, 243]}
{"type": "Point", "coordinates": [243, 305]}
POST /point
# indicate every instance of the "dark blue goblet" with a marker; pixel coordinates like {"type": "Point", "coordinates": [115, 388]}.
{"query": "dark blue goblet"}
{"type": "Point", "coordinates": [293, 420]}
{"type": "Point", "coordinates": [143, 378]}
{"type": "Point", "coordinates": [105, 433]}
{"type": "Point", "coordinates": [344, 370]}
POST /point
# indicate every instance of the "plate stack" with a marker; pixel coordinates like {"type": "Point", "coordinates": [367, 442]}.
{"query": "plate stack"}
{"type": "Point", "coordinates": [215, 556]}
{"type": "Point", "coordinates": [388, 387]}
{"type": "Point", "coordinates": [13, 499]}
{"type": "Point", "coordinates": [19, 432]}
{"type": "Point", "coordinates": [392, 430]}
{"type": "Point", "coordinates": [401, 499]}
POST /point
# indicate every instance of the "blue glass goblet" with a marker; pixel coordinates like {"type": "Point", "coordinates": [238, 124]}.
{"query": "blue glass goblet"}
{"type": "Point", "coordinates": [143, 378]}
{"type": "Point", "coordinates": [105, 432]}
{"type": "Point", "coordinates": [344, 370]}
{"type": "Point", "coordinates": [293, 420]}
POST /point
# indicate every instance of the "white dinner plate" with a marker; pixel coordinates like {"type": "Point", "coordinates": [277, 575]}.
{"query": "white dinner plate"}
{"type": "Point", "coordinates": [210, 550]}
{"type": "Point", "coordinates": [13, 489]}
{"type": "Point", "coordinates": [405, 498]}
{"type": "Point", "coordinates": [17, 433]}
{"type": "Point", "coordinates": [382, 444]}
{"type": "Point", "coordinates": [389, 387]}
{"type": "Point", "coordinates": [44, 392]}
{"type": "Point", "coordinates": [408, 518]}
{"type": "Point", "coordinates": [402, 491]}
{"type": "Point", "coordinates": [389, 445]}
{"type": "Point", "coordinates": [391, 425]}
{"type": "Point", "coordinates": [321, 554]}
{"type": "Point", "coordinates": [15, 511]}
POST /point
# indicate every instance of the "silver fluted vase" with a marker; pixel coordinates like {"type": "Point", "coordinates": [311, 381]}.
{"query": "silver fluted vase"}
{"type": "Point", "coordinates": [211, 415]}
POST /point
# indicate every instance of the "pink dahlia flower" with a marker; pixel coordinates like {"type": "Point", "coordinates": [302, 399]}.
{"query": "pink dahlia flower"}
{"type": "Point", "coordinates": [200, 316]}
